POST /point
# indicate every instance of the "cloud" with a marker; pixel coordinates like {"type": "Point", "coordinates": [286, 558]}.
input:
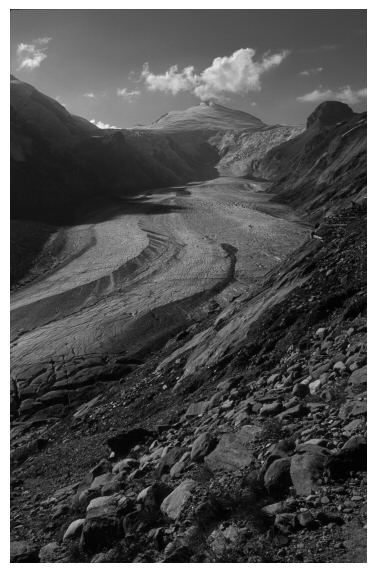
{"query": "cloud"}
{"type": "Point", "coordinates": [103, 126]}
{"type": "Point", "coordinates": [128, 95]}
{"type": "Point", "coordinates": [345, 94]}
{"type": "Point", "coordinates": [238, 73]}
{"type": "Point", "coordinates": [31, 56]}
{"type": "Point", "coordinates": [311, 72]}
{"type": "Point", "coordinates": [89, 95]}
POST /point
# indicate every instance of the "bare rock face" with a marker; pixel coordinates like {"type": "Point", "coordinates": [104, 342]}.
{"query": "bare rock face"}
{"type": "Point", "coordinates": [329, 113]}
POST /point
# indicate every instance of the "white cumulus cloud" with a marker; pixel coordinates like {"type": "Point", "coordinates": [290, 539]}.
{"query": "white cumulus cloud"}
{"type": "Point", "coordinates": [128, 95]}
{"type": "Point", "coordinates": [103, 126]}
{"type": "Point", "coordinates": [345, 94]}
{"type": "Point", "coordinates": [238, 73]}
{"type": "Point", "coordinates": [31, 56]}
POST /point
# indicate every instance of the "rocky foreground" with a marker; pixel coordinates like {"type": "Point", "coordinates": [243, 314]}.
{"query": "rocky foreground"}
{"type": "Point", "coordinates": [257, 456]}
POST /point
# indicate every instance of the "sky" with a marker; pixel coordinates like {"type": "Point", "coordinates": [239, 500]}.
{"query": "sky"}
{"type": "Point", "coordinates": [122, 68]}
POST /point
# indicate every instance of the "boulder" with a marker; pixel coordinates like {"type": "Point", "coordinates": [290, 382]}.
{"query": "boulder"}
{"type": "Point", "coordinates": [293, 412]}
{"type": "Point", "coordinates": [50, 552]}
{"type": "Point", "coordinates": [277, 479]}
{"type": "Point", "coordinates": [271, 409]}
{"type": "Point", "coordinates": [305, 519]}
{"type": "Point", "coordinates": [358, 380]}
{"type": "Point", "coordinates": [100, 481]}
{"type": "Point", "coordinates": [281, 449]}
{"type": "Point", "coordinates": [174, 504]}
{"type": "Point", "coordinates": [234, 451]}
{"type": "Point", "coordinates": [23, 551]}
{"type": "Point", "coordinates": [202, 446]}
{"type": "Point", "coordinates": [314, 386]}
{"type": "Point", "coordinates": [178, 468]}
{"type": "Point", "coordinates": [352, 456]}
{"type": "Point", "coordinates": [172, 456]}
{"type": "Point", "coordinates": [125, 464]}
{"type": "Point", "coordinates": [307, 466]}
{"type": "Point", "coordinates": [74, 529]}
{"type": "Point", "coordinates": [99, 533]}
{"type": "Point", "coordinates": [196, 409]}
{"type": "Point", "coordinates": [151, 497]}
{"type": "Point", "coordinates": [280, 507]}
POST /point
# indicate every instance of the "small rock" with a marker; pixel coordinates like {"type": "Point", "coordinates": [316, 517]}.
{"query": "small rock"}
{"type": "Point", "coordinates": [314, 386]}
{"type": "Point", "coordinates": [286, 522]}
{"type": "Point", "coordinates": [271, 409]}
{"type": "Point", "coordinates": [74, 529]}
{"type": "Point", "coordinates": [305, 519]}
{"type": "Point", "coordinates": [340, 366]}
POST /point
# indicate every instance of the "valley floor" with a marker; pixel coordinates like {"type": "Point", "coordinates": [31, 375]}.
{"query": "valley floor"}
{"type": "Point", "coordinates": [137, 271]}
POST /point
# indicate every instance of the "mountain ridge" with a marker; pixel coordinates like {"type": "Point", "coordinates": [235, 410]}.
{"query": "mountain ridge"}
{"type": "Point", "coordinates": [206, 117]}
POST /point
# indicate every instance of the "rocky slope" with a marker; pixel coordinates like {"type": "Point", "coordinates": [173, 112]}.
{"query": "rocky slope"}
{"type": "Point", "coordinates": [257, 456]}
{"type": "Point", "coordinates": [241, 152]}
{"type": "Point", "coordinates": [244, 438]}
{"type": "Point", "coordinates": [325, 166]}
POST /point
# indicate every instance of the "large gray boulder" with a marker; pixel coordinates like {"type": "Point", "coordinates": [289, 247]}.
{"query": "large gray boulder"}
{"type": "Point", "coordinates": [234, 451]}
{"type": "Point", "coordinates": [202, 446]}
{"type": "Point", "coordinates": [277, 479]}
{"type": "Point", "coordinates": [174, 504]}
{"type": "Point", "coordinates": [307, 466]}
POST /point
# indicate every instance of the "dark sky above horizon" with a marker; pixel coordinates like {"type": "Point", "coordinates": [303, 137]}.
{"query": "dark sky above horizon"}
{"type": "Point", "coordinates": [276, 64]}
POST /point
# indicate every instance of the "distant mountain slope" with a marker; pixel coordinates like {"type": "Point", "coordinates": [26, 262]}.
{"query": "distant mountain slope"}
{"type": "Point", "coordinates": [324, 167]}
{"type": "Point", "coordinates": [206, 117]}
{"type": "Point", "coordinates": [241, 152]}
{"type": "Point", "coordinates": [60, 161]}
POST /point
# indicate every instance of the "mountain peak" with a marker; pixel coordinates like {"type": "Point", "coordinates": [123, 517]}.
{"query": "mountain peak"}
{"type": "Point", "coordinates": [207, 116]}
{"type": "Point", "coordinates": [329, 113]}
